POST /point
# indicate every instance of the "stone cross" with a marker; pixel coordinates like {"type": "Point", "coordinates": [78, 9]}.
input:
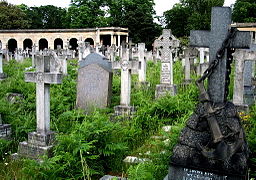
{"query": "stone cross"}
{"type": "Point", "coordinates": [126, 66]}
{"type": "Point", "coordinates": [43, 78]}
{"type": "Point", "coordinates": [220, 24]}
{"type": "Point", "coordinates": [142, 62]}
{"type": "Point", "coordinates": [201, 55]}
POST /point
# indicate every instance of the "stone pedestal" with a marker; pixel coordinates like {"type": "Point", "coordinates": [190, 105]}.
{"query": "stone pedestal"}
{"type": "Point", "coordinates": [37, 145]}
{"type": "Point", "coordinates": [164, 89]}
{"type": "Point", "coordinates": [5, 131]}
{"type": "Point", "coordinates": [179, 173]}
{"type": "Point", "coordinates": [122, 110]}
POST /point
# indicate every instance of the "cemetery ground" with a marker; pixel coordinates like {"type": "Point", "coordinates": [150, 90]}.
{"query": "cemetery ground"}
{"type": "Point", "coordinates": [90, 146]}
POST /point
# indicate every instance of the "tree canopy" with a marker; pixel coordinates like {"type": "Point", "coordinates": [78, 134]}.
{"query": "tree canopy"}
{"type": "Point", "coordinates": [12, 17]}
{"type": "Point", "coordinates": [244, 11]}
{"type": "Point", "coordinates": [190, 14]}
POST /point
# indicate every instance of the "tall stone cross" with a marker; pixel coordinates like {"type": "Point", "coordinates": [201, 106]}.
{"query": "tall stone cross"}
{"type": "Point", "coordinates": [43, 78]}
{"type": "Point", "coordinates": [165, 45]}
{"type": "Point", "coordinates": [126, 66]}
{"type": "Point", "coordinates": [220, 25]}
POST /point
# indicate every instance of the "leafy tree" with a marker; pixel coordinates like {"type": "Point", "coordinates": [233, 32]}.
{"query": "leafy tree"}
{"type": "Point", "coordinates": [244, 11]}
{"type": "Point", "coordinates": [46, 17]}
{"type": "Point", "coordinates": [190, 14]}
{"type": "Point", "coordinates": [177, 14]}
{"type": "Point", "coordinates": [12, 17]}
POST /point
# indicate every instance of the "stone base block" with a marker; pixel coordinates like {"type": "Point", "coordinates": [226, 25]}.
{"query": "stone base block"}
{"type": "Point", "coordinates": [5, 131]}
{"type": "Point", "coordinates": [37, 145]}
{"type": "Point", "coordinates": [27, 150]}
{"type": "Point", "coordinates": [39, 139]}
{"type": "Point", "coordinates": [124, 110]}
{"type": "Point", "coordinates": [164, 89]}
{"type": "Point", "coordinates": [176, 173]}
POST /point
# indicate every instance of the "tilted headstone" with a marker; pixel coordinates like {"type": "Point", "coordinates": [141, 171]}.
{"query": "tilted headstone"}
{"type": "Point", "coordinates": [41, 142]}
{"type": "Point", "coordinates": [94, 86]}
{"type": "Point", "coordinates": [126, 66]}
{"type": "Point", "coordinates": [242, 77]}
{"type": "Point", "coordinates": [165, 45]}
{"type": "Point", "coordinates": [212, 145]}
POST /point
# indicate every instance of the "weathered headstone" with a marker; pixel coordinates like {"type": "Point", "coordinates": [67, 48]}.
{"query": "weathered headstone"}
{"type": "Point", "coordinates": [165, 45]}
{"type": "Point", "coordinates": [112, 53]}
{"type": "Point", "coordinates": [212, 145]}
{"type": "Point", "coordinates": [33, 52]}
{"type": "Point", "coordinates": [81, 48]}
{"type": "Point", "coordinates": [241, 76]}
{"type": "Point", "coordinates": [94, 86]}
{"type": "Point", "coordinates": [41, 142]}
{"type": "Point", "coordinates": [189, 53]}
{"type": "Point", "coordinates": [142, 63]}
{"type": "Point", "coordinates": [249, 89]}
{"type": "Point", "coordinates": [126, 66]}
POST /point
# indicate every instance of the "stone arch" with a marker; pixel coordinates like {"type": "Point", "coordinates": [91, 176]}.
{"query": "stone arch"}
{"type": "Point", "coordinates": [73, 43]}
{"type": "Point", "coordinates": [58, 41]}
{"type": "Point", "coordinates": [90, 40]}
{"type": "Point", "coordinates": [27, 43]}
{"type": "Point", "coordinates": [12, 45]}
{"type": "Point", "coordinates": [43, 43]}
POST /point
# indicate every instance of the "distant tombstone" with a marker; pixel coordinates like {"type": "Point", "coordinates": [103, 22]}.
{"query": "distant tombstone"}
{"type": "Point", "coordinates": [166, 44]}
{"type": "Point", "coordinates": [94, 86]}
{"type": "Point", "coordinates": [87, 49]}
{"type": "Point", "coordinates": [81, 48]}
{"type": "Point", "coordinates": [212, 145]}
{"type": "Point", "coordinates": [33, 53]}
{"type": "Point", "coordinates": [112, 52]}
{"type": "Point", "coordinates": [2, 74]}
{"type": "Point", "coordinates": [142, 63]}
{"type": "Point", "coordinates": [126, 66]}
{"type": "Point", "coordinates": [243, 77]}
{"type": "Point", "coordinates": [19, 55]}
{"type": "Point", "coordinates": [41, 142]}
{"type": "Point", "coordinates": [189, 53]}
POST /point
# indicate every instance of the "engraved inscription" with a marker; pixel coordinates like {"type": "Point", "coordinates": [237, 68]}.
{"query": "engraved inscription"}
{"type": "Point", "coordinates": [166, 73]}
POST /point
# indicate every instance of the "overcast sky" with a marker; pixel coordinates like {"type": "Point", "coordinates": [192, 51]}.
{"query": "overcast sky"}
{"type": "Point", "coordinates": [161, 5]}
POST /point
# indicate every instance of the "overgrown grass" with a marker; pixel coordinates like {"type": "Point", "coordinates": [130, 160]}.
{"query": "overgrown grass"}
{"type": "Point", "coordinates": [88, 146]}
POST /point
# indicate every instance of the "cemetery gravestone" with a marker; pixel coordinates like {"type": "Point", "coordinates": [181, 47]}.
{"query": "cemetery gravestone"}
{"type": "Point", "coordinates": [81, 48]}
{"type": "Point", "coordinates": [2, 74]}
{"type": "Point", "coordinates": [249, 89]}
{"type": "Point", "coordinates": [94, 86]}
{"type": "Point", "coordinates": [126, 66]}
{"type": "Point", "coordinates": [189, 53]}
{"type": "Point", "coordinates": [41, 142]}
{"type": "Point", "coordinates": [165, 44]}
{"type": "Point", "coordinates": [240, 57]}
{"type": "Point", "coordinates": [142, 63]}
{"type": "Point", "coordinates": [212, 145]}
{"type": "Point", "coordinates": [87, 49]}
{"type": "Point", "coordinates": [5, 129]}
{"type": "Point", "coordinates": [33, 52]}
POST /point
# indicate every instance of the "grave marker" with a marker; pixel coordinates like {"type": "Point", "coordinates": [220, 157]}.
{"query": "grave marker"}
{"type": "Point", "coordinates": [41, 142]}
{"type": "Point", "coordinates": [204, 151]}
{"type": "Point", "coordinates": [126, 66]}
{"type": "Point", "coordinates": [142, 63]}
{"type": "Point", "coordinates": [165, 43]}
{"type": "Point", "coordinates": [2, 74]}
{"type": "Point", "coordinates": [94, 86]}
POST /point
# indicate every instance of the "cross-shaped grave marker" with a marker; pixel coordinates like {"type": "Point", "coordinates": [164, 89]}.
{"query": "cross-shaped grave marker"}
{"type": "Point", "coordinates": [220, 25]}
{"type": "Point", "coordinates": [216, 162]}
{"type": "Point", "coordinates": [40, 142]}
{"type": "Point", "coordinates": [165, 45]}
{"type": "Point", "coordinates": [126, 66]}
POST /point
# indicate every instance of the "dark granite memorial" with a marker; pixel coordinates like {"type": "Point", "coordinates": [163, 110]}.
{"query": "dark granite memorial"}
{"type": "Point", "coordinates": [212, 145]}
